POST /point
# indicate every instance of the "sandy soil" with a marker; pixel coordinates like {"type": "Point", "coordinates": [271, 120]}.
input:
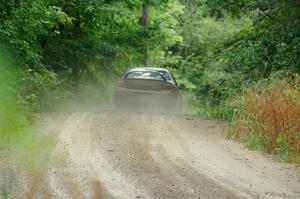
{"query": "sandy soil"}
{"type": "Point", "coordinates": [138, 155]}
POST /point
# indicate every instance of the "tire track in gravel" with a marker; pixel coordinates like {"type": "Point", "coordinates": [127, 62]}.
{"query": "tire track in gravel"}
{"type": "Point", "coordinates": [147, 155]}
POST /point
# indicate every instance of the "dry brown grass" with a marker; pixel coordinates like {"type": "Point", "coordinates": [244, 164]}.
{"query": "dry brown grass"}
{"type": "Point", "coordinates": [271, 119]}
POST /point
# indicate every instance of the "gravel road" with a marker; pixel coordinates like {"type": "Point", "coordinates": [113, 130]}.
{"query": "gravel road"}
{"type": "Point", "coordinates": [147, 155]}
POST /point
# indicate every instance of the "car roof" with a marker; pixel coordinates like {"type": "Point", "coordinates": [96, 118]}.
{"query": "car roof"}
{"type": "Point", "coordinates": [147, 69]}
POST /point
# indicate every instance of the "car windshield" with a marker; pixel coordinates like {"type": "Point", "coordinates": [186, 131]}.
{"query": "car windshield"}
{"type": "Point", "coordinates": [145, 75]}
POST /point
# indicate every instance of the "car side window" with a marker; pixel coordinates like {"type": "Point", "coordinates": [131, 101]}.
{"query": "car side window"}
{"type": "Point", "coordinates": [166, 75]}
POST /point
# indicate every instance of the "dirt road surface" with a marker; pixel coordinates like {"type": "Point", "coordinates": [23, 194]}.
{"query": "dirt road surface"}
{"type": "Point", "coordinates": [147, 155]}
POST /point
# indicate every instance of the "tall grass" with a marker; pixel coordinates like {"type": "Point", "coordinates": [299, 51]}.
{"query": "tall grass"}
{"type": "Point", "coordinates": [270, 118]}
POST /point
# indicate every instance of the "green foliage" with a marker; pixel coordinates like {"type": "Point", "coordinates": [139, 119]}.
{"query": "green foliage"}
{"type": "Point", "coordinates": [254, 142]}
{"type": "Point", "coordinates": [230, 46]}
{"type": "Point", "coordinates": [283, 146]}
{"type": "Point", "coordinates": [23, 26]}
{"type": "Point", "coordinates": [215, 48]}
{"type": "Point", "coordinates": [59, 46]}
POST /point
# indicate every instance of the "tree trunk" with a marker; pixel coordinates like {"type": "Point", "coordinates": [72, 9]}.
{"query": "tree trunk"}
{"type": "Point", "coordinates": [75, 78]}
{"type": "Point", "coordinates": [146, 57]}
{"type": "Point", "coordinates": [144, 22]}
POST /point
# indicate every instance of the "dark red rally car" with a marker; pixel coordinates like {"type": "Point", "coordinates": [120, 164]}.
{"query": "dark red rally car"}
{"type": "Point", "coordinates": [150, 89]}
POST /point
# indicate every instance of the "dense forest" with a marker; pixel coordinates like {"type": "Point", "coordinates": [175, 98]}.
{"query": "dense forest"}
{"type": "Point", "coordinates": [239, 58]}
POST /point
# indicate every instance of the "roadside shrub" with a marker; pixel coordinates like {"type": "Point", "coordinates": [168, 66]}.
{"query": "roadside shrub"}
{"type": "Point", "coordinates": [270, 117]}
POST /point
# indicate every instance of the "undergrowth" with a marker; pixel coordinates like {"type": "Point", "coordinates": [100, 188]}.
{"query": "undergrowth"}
{"type": "Point", "coordinates": [270, 117]}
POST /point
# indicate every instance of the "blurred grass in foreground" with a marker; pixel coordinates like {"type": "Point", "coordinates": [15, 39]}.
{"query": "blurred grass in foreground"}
{"type": "Point", "coordinates": [19, 138]}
